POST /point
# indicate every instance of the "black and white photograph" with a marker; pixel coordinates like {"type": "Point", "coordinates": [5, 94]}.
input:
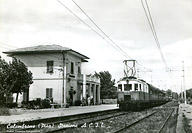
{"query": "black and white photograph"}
{"type": "Point", "coordinates": [96, 66]}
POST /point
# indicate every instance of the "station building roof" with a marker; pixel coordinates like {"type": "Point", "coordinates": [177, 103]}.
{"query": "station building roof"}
{"type": "Point", "coordinates": [44, 49]}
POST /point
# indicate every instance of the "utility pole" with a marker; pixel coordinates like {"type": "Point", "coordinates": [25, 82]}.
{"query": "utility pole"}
{"type": "Point", "coordinates": [64, 101]}
{"type": "Point", "coordinates": [181, 90]}
{"type": "Point", "coordinates": [184, 82]}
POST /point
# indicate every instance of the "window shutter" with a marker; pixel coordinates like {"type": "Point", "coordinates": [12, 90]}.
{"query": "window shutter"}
{"type": "Point", "coordinates": [72, 68]}
{"type": "Point", "coordinates": [50, 66]}
{"type": "Point", "coordinates": [51, 93]}
{"type": "Point", "coordinates": [47, 93]}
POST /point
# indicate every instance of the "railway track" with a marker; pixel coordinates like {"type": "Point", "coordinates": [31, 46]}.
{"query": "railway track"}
{"type": "Point", "coordinates": [35, 124]}
{"type": "Point", "coordinates": [82, 122]}
{"type": "Point", "coordinates": [113, 122]}
{"type": "Point", "coordinates": [74, 121]}
{"type": "Point", "coordinates": [152, 120]}
{"type": "Point", "coordinates": [102, 125]}
{"type": "Point", "coordinates": [150, 123]}
{"type": "Point", "coordinates": [134, 123]}
{"type": "Point", "coordinates": [161, 129]}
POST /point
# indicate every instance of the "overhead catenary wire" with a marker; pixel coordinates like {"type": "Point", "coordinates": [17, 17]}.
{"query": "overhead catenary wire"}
{"type": "Point", "coordinates": [106, 38]}
{"type": "Point", "coordinates": [157, 40]}
{"type": "Point", "coordinates": [106, 34]}
{"type": "Point", "coordinates": [101, 29]}
{"type": "Point", "coordinates": [152, 27]}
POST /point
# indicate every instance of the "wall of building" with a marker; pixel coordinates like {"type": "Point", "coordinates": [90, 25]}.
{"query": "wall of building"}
{"type": "Point", "coordinates": [37, 64]}
{"type": "Point", "coordinates": [38, 89]}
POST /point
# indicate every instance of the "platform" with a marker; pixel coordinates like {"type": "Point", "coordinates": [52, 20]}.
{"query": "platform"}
{"type": "Point", "coordinates": [184, 110]}
{"type": "Point", "coordinates": [28, 115]}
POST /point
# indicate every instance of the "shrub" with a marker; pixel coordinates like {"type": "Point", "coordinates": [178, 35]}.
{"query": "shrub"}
{"type": "Point", "coordinates": [31, 104]}
{"type": "Point", "coordinates": [77, 102]}
{"type": "Point", "coordinates": [36, 104]}
{"type": "Point", "coordinates": [4, 111]}
{"type": "Point", "coordinates": [11, 105]}
{"type": "Point", "coordinates": [45, 103]}
{"type": "Point", "coordinates": [67, 105]}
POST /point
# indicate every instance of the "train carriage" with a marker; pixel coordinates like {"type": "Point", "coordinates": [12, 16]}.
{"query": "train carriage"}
{"type": "Point", "coordinates": [136, 94]}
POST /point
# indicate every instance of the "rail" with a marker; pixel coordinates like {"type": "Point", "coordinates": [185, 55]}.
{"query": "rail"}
{"type": "Point", "coordinates": [132, 124]}
{"type": "Point", "coordinates": [160, 130]}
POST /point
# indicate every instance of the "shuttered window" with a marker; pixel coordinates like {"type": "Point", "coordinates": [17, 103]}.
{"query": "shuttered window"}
{"type": "Point", "coordinates": [50, 66]}
{"type": "Point", "coordinates": [49, 92]}
{"type": "Point", "coordinates": [79, 70]}
{"type": "Point", "coordinates": [72, 68]}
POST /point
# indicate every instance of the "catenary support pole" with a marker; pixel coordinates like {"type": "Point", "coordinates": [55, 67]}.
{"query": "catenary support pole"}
{"type": "Point", "coordinates": [184, 83]}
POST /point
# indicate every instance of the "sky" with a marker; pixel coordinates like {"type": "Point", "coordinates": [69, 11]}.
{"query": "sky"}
{"type": "Point", "coordinates": [25, 23]}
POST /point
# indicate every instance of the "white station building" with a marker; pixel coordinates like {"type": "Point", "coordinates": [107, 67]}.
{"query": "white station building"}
{"type": "Point", "coordinates": [57, 74]}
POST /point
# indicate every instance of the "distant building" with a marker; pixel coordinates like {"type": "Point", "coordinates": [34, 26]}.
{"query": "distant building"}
{"type": "Point", "coordinates": [57, 74]}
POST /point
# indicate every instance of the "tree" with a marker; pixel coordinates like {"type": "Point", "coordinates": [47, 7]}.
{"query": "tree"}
{"type": "Point", "coordinates": [168, 92]}
{"type": "Point", "coordinates": [175, 95]}
{"type": "Point", "coordinates": [189, 93]}
{"type": "Point", "coordinates": [107, 89]}
{"type": "Point", "coordinates": [4, 75]}
{"type": "Point", "coordinates": [19, 77]}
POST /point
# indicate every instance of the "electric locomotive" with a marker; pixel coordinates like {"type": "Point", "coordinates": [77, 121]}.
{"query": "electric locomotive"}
{"type": "Point", "coordinates": [137, 94]}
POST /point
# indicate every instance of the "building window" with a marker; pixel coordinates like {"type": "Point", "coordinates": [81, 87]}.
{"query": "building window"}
{"type": "Point", "coordinates": [79, 70]}
{"type": "Point", "coordinates": [49, 66]}
{"type": "Point", "coordinates": [127, 87]}
{"type": "Point", "coordinates": [49, 93]}
{"type": "Point", "coordinates": [72, 68]}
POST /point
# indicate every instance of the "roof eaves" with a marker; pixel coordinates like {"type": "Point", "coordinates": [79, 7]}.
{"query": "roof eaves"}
{"type": "Point", "coordinates": [79, 53]}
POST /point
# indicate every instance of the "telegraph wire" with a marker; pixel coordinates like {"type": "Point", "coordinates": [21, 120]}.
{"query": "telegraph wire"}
{"type": "Point", "coordinates": [85, 23]}
{"type": "Point", "coordinates": [6, 46]}
{"type": "Point", "coordinates": [157, 40]}
{"type": "Point", "coordinates": [121, 51]}
{"type": "Point", "coordinates": [119, 48]}
{"type": "Point", "coordinates": [100, 29]}
{"type": "Point", "coordinates": [80, 19]}
{"type": "Point", "coordinates": [152, 27]}
{"type": "Point", "coordinates": [33, 55]}
{"type": "Point", "coordinates": [92, 28]}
